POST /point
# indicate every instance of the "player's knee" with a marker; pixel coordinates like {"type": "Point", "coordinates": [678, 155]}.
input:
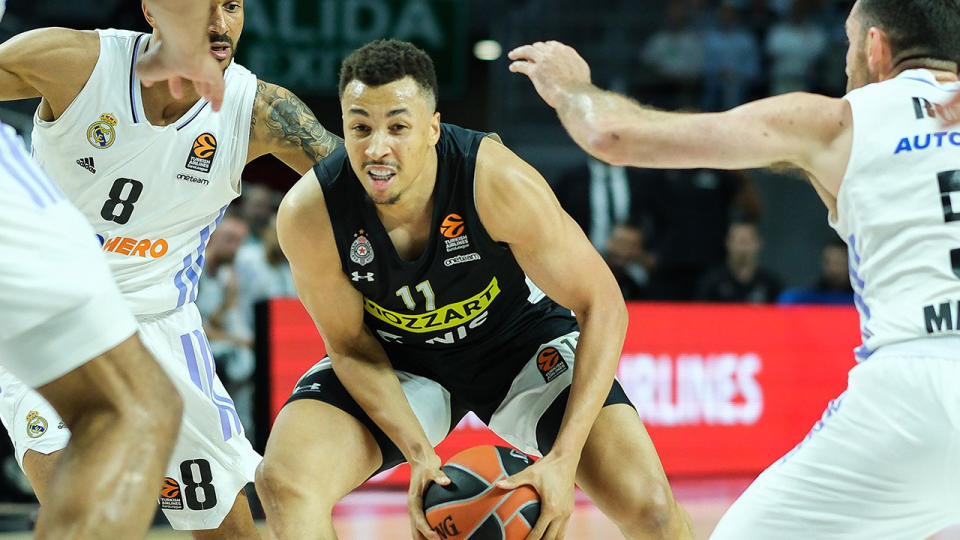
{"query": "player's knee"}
{"type": "Point", "coordinates": [276, 485]}
{"type": "Point", "coordinates": [650, 512]}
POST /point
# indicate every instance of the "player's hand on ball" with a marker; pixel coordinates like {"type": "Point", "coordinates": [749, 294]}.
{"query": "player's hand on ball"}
{"type": "Point", "coordinates": [422, 473]}
{"type": "Point", "coordinates": [552, 67]}
{"type": "Point", "coordinates": [165, 63]}
{"type": "Point", "coordinates": [552, 477]}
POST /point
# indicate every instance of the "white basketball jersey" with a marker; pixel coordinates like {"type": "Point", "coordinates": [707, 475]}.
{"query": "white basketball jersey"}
{"type": "Point", "coordinates": [899, 211]}
{"type": "Point", "coordinates": [153, 194]}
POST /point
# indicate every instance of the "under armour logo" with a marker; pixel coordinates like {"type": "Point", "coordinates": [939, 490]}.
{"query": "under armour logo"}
{"type": "Point", "coordinates": [356, 276]}
{"type": "Point", "coordinates": [315, 387]}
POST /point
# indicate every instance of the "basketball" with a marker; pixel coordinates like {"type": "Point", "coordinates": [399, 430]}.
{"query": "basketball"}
{"type": "Point", "coordinates": [471, 507]}
{"type": "Point", "coordinates": [452, 226]}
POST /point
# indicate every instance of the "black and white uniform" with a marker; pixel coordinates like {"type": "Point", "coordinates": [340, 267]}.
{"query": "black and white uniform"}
{"type": "Point", "coordinates": [884, 461]}
{"type": "Point", "coordinates": [153, 196]}
{"type": "Point", "coordinates": [462, 325]}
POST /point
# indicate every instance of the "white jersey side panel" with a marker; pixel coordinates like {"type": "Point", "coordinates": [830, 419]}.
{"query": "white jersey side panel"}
{"type": "Point", "coordinates": [153, 194]}
{"type": "Point", "coordinates": [899, 211]}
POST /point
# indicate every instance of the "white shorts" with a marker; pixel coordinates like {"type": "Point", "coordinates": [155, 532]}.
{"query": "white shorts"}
{"type": "Point", "coordinates": [528, 416]}
{"type": "Point", "coordinates": [212, 460]}
{"type": "Point", "coordinates": [884, 462]}
{"type": "Point", "coordinates": [59, 306]}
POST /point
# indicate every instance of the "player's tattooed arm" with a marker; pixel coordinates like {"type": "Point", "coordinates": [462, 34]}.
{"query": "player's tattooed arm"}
{"type": "Point", "coordinates": [284, 126]}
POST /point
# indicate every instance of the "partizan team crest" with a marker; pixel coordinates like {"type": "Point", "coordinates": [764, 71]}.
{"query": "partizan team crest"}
{"type": "Point", "coordinates": [361, 252]}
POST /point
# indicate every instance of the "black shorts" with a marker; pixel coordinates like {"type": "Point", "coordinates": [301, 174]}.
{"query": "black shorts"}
{"type": "Point", "coordinates": [528, 417]}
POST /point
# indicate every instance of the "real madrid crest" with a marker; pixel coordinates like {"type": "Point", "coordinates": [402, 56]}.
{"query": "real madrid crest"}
{"type": "Point", "coordinates": [101, 133]}
{"type": "Point", "coordinates": [36, 425]}
{"type": "Point", "coordinates": [361, 251]}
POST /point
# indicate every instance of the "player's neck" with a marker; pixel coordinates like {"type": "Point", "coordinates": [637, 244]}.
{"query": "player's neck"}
{"type": "Point", "coordinates": [943, 70]}
{"type": "Point", "coordinates": [161, 108]}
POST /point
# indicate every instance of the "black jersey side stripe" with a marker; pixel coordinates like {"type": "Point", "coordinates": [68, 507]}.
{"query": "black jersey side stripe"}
{"type": "Point", "coordinates": [133, 79]}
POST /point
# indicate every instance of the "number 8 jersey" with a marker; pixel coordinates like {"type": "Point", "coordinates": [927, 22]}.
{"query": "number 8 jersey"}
{"type": "Point", "coordinates": [899, 211]}
{"type": "Point", "coordinates": [153, 194]}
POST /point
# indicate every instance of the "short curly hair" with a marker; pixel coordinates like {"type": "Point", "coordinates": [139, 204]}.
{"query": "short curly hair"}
{"type": "Point", "coordinates": [386, 60]}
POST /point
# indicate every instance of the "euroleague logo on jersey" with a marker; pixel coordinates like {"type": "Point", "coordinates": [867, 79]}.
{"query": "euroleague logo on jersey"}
{"type": "Point", "coordinates": [452, 226]}
{"type": "Point", "coordinates": [202, 152]}
{"type": "Point", "coordinates": [551, 364]}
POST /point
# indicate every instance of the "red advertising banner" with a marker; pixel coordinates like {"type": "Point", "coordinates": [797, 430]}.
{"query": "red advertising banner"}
{"type": "Point", "coordinates": [721, 388]}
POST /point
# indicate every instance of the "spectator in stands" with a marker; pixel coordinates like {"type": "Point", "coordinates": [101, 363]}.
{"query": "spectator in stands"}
{"type": "Point", "coordinates": [741, 279]}
{"type": "Point", "coordinates": [264, 273]}
{"type": "Point", "coordinates": [688, 213]}
{"type": "Point", "coordinates": [795, 47]}
{"type": "Point", "coordinates": [257, 204]}
{"type": "Point", "coordinates": [628, 260]}
{"type": "Point", "coordinates": [733, 61]}
{"type": "Point", "coordinates": [597, 196]}
{"type": "Point", "coordinates": [675, 55]}
{"type": "Point", "coordinates": [217, 299]}
{"type": "Point", "coordinates": [833, 285]}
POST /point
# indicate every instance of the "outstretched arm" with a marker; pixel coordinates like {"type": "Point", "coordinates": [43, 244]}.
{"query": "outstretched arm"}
{"type": "Point", "coordinates": [284, 126]}
{"type": "Point", "coordinates": [804, 130]}
{"type": "Point", "coordinates": [306, 236]}
{"type": "Point", "coordinates": [517, 206]}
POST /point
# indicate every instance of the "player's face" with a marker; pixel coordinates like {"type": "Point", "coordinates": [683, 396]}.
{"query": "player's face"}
{"type": "Point", "coordinates": [389, 132]}
{"type": "Point", "coordinates": [858, 70]}
{"type": "Point", "coordinates": [224, 28]}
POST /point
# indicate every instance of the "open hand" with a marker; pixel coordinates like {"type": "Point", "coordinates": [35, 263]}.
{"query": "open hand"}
{"type": "Point", "coordinates": [553, 480]}
{"type": "Point", "coordinates": [552, 67]}
{"type": "Point", "coordinates": [421, 476]}
{"type": "Point", "coordinates": [162, 63]}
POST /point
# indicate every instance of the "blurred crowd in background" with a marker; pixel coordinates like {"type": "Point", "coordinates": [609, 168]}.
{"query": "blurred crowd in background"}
{"type": "Point", "coordinates": [679, 235]}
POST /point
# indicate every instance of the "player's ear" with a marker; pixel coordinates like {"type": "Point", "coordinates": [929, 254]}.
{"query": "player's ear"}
{"type": "Point", "coordinates": [879, 53]}
{"type": "Point", "coordinates": [435, 128]}
{"type": "Point", "coordinates": [147, 15]}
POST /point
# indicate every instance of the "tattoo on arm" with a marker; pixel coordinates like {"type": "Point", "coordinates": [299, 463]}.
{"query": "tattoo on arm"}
{"type": "Point", "coordinates": [289, 123]}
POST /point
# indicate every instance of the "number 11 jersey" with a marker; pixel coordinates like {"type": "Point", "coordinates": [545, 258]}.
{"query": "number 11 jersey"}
{"type": "Point", "coordinates": [153, 194]}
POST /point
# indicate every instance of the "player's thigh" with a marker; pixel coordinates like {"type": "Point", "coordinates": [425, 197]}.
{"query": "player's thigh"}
{"type": "Point", "coordinates": [316, 452]}
{"type": "Point", "coordinates": [879, 464]}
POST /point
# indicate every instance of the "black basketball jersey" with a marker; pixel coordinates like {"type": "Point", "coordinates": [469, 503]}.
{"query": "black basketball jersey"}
{"type": "Point", "coordinates": [463, 313]}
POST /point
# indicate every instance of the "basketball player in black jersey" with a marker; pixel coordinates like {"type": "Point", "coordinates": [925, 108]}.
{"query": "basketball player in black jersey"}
{"type": "Point", "coordinates": [410, 248]}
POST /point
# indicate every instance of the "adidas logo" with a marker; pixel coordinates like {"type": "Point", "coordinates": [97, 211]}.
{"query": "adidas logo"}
{"type": "Point", "coordinates": [87, 163]}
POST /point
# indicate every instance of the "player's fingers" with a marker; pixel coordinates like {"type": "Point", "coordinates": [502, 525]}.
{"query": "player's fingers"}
{"type": "Point", "coordinates": [176, 86]}
{"type": "Point", "coordinates": [524, 52]}
{"type": "Point", "coordinates": [521, 66]}
{"type": "Point", "coordinates": [515, 481]}
{"type": "Point", "coordinates": [539, 528]}
{"type": "Point", "coordinates": [441, 478]}
{"type": "Point", "coordinates": [417, 516]}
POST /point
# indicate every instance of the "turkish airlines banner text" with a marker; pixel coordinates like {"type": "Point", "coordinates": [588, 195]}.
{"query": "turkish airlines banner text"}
{"type": "Point", "coordinates": [721, 388]}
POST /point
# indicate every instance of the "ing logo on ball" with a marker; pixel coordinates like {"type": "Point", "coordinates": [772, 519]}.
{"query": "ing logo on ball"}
{"type": "Point", "coordinates": [452, 226]}
{"type": "Point", "coordinates": [202, 153]}
{"type": "Point", "coordinates": [551, 364]}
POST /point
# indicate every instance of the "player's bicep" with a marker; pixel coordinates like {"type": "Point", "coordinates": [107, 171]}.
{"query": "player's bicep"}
{"type": "Point", "coordinates": [306, 238]}
{"type": "Point", "coordinates": [517, 206]}
{"type": "Point", "coordinates": [51, 62]}
{"type": "Point", "coordinates": [284, 126]}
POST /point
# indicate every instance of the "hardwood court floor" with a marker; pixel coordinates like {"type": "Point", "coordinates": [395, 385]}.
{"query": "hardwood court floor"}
{"type": "Point", "coordinates": [381, 515]}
